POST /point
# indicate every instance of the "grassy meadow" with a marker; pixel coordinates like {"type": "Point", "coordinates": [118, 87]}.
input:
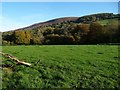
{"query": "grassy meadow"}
{"type": "Point", "coordinates": [106, 21]}
{"type": "Point", "coordinates": [62, 66]}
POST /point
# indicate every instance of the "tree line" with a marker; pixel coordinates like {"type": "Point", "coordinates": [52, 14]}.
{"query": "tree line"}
{"type": "Point", "coordinates": [65, 33]}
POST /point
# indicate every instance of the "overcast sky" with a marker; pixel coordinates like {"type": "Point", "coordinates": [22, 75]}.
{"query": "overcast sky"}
{"type": "Point", "coordinates": [21, 14]}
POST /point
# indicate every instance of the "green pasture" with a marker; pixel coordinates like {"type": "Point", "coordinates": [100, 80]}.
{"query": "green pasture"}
{"type": "Point", "coordinates": [62, 66]}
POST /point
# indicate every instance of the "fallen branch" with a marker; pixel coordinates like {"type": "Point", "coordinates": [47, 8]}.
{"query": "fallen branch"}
{"type": "Point", "coordinates": [14, 59]}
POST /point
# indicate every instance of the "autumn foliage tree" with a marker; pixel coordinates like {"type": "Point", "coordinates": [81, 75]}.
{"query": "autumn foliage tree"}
{"type": "Point", "coordinates": [59, 39]}
{"type": "Point", "coordinates": [79, 32]}
{"type": "Point", "coordinates": [22, 37]}
{"type": "Point", "coordinates": [96, 33]}
{"type": "Point", "coordinates": [91, 29]}
{"type": "Point", "coordinates": [112, 31]}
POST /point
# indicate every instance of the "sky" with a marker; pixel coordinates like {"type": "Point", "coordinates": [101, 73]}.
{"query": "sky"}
{"type": "Point", "coordinates": [16, 15]}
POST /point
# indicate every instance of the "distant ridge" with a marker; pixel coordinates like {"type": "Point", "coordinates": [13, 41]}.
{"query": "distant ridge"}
{"type": "Point", "coordinates": [83, 19]}
{"type": "Point", "coordinates": [89, 29]}
{"type": "Point", "coordinates": [50, 22]}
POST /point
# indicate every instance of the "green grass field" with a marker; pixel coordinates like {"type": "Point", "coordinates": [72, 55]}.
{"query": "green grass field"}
{"type": "Point", "coordinates": [106, 21]}
{"type": "Point", "coordinates": [74, 66]}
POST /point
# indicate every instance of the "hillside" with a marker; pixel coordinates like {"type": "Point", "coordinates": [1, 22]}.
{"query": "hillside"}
{"type": "Point", "coordinates": [68, 30]}
{"type": "Point", "coordinates": [51, 22]}
{"type": "Point", "coordinates": [97, 17]}
{"type": "Point", "coordinates": [83, 19]}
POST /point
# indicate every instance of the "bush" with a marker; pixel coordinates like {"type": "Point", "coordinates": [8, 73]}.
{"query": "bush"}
{"type": "Point", "coordinates": [59, 39]}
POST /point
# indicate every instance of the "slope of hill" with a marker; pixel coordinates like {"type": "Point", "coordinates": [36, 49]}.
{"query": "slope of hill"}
{"type": "Point", "coordinates": [96, 28]}
{"type": "Point", "coordinates": [97, 17]}
{"type": "Point", "coordinates": [106, 21]}
{"type": "Point", "coordinates": [83, 19]}
{"type": "Point", "coordinates": [51, 22]}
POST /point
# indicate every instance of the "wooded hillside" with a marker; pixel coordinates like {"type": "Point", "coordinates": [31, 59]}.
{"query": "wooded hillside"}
{"type": "Point", "coordinates": [69, 30]}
